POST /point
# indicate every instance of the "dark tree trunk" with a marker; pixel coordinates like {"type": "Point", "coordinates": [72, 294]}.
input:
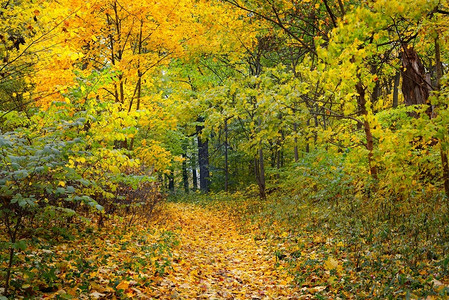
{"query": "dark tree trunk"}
{"type": "Point", "coordinates": [308, 140]}
{"type": "Point", "coordinates": [194, 166]}
{"type": "Point", "coordinates": [171, 181]}
{"type": "Point", "coordinates": [415, 83]}
{"type": "Point", "coordinates": [377, 88]}
{"type": "Point", "coordinates": [194, 179]}
{"type": "Point", "coordinates": [185, 175]}
{"type": "Point", "coordinates": [203, 158]}
{"type": "Point", "coordinates": [397, 78]}
{"type": "Point", "coordinates": [315, 134]}
{"type": "Point", "coordinates": [226, 183]}
{"type": "Point", "coordinates": [259, 172]}
{"type": "Point", "coordinates": [260, 169]}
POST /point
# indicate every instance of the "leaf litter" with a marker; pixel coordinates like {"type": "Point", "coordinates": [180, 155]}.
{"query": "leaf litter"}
{"type": "Point", "coordinates": [186, 252]}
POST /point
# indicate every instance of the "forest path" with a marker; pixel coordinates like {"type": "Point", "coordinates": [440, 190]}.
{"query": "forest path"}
{"type": "Point", "coordinates": [215, 261]}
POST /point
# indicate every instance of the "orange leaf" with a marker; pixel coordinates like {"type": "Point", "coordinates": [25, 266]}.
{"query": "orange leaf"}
{"type": "Point", "coordinates": [122, 285]}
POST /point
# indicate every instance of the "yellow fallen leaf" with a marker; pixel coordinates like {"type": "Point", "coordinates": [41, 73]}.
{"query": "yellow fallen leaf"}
{"type": "Point", "coordinates": [316, 289]}
{"type": "Point", "coordinates": [130, 294]}
{"type": "Point", "coordinates": [331, 263]}
{"type": "Point", "coordinates": [122, 285]}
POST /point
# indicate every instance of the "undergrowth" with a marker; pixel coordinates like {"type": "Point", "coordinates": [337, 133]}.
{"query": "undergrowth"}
{"type": "Point", "coordinates": [117, 260]}
{"type": "Point", "coordinates": [356, 248]}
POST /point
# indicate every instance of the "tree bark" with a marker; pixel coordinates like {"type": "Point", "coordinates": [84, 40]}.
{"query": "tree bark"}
{"type": "Point", "coordinates": [171, 181]}
{"type": "Point", "coordinates": [397, 79]}
{"type": "Point", "coordinates": [367, 128]}
{"type": "Point", "coordinates": [260, 174]}
{"type": "Point", "coordinates": [315, 132]}
{"type": "Point", "coordinates": [443, 151]}
{"type": "Point", "coordinates": [194, 179]}
{"type": "Point", "coordinates": [185, 175]}
{"type": "Point", "coordinates": [260, 169]}
{"type": "Point", "coordinates": [415, 84]}
{"type": "Point", "coordinates": [203, 158]}
{"type": "Point", "coordinates": [295, 127]}
{"type": "Point", "coordinates": [226, 183]}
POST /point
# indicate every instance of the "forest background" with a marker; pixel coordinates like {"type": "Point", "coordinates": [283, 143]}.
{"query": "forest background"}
{"type": "Point", "coordinates": [333, 113]}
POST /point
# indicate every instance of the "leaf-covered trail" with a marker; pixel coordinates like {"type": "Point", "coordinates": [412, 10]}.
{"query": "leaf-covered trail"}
{"type": "Point", "coordinates": [215, 261]}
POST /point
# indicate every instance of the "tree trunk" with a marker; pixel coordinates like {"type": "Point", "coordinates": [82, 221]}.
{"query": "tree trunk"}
{"type": "Point", "coordinates": [260, 174]}
{"type": "Point", "coordinates": [203, 158]}
{"type": "Point", "coordinates": [226, 183]}
{"type": "Point", "coordinates": [171, 181]}
{"type": "Point", "coordinates": [415, 84]}
{"type": "Point", "coordinates": [315, 134]}
{"type": "Point", "coordinates": [260, 169]}
{"type": "Point", "coordinates": [397, 78]}
{"type": "Point", "coordinates": [194, 179]}
{"type": "Point", "coordinates": [194, 166]}
{"type": "Point", "coordinates": [377, 90]}
{"type": "Point", "coordinates": [295, 127]}
{"type": "Point", "coordinates": [445, 165]}
{"type": "Point", "coordinates": [367, 128]}
{"type": "Point", "coordinates": [308, 140]}
{"type": "Point", "coordinates": [443, 151]}
{"type": "Point", "coordinates": [185, 176]}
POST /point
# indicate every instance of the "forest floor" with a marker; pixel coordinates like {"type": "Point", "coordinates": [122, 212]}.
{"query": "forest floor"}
{"type": "Point", "coordinates": [224, 249]}
{"type": "Point", "coordinates": [216, 260]}
{"type": "Point", "coordinates": [185, 252]}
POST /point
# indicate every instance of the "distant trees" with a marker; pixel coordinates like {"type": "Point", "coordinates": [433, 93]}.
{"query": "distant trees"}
{"type": "Point", "coordinates": [342, 67]}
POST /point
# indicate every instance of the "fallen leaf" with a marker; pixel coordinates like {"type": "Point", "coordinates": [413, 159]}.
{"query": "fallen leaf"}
{"type": "Point", "coordinates": [122, 285]}
{"type": "Point", "coordinates": [96, 295]}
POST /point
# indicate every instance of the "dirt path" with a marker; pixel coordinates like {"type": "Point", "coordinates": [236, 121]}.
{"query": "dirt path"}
{"type": "Point", "coordinates": [215, 261]}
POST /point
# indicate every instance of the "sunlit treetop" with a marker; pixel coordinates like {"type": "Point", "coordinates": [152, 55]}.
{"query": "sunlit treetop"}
{"type": "Point", "coordinates": [132, 39]}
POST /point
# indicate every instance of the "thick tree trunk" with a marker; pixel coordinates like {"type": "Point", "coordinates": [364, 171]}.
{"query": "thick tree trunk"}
{"type": "Point", "coordinates": [415, 84]}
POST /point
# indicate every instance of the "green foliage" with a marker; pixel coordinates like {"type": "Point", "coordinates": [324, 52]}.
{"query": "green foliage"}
{"type": "Point", "coordinates": [58, 166]}
{"type": "Point", "coordinates": [357, 247]}
{"type": "Point", "coordinates": [325, 177]}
